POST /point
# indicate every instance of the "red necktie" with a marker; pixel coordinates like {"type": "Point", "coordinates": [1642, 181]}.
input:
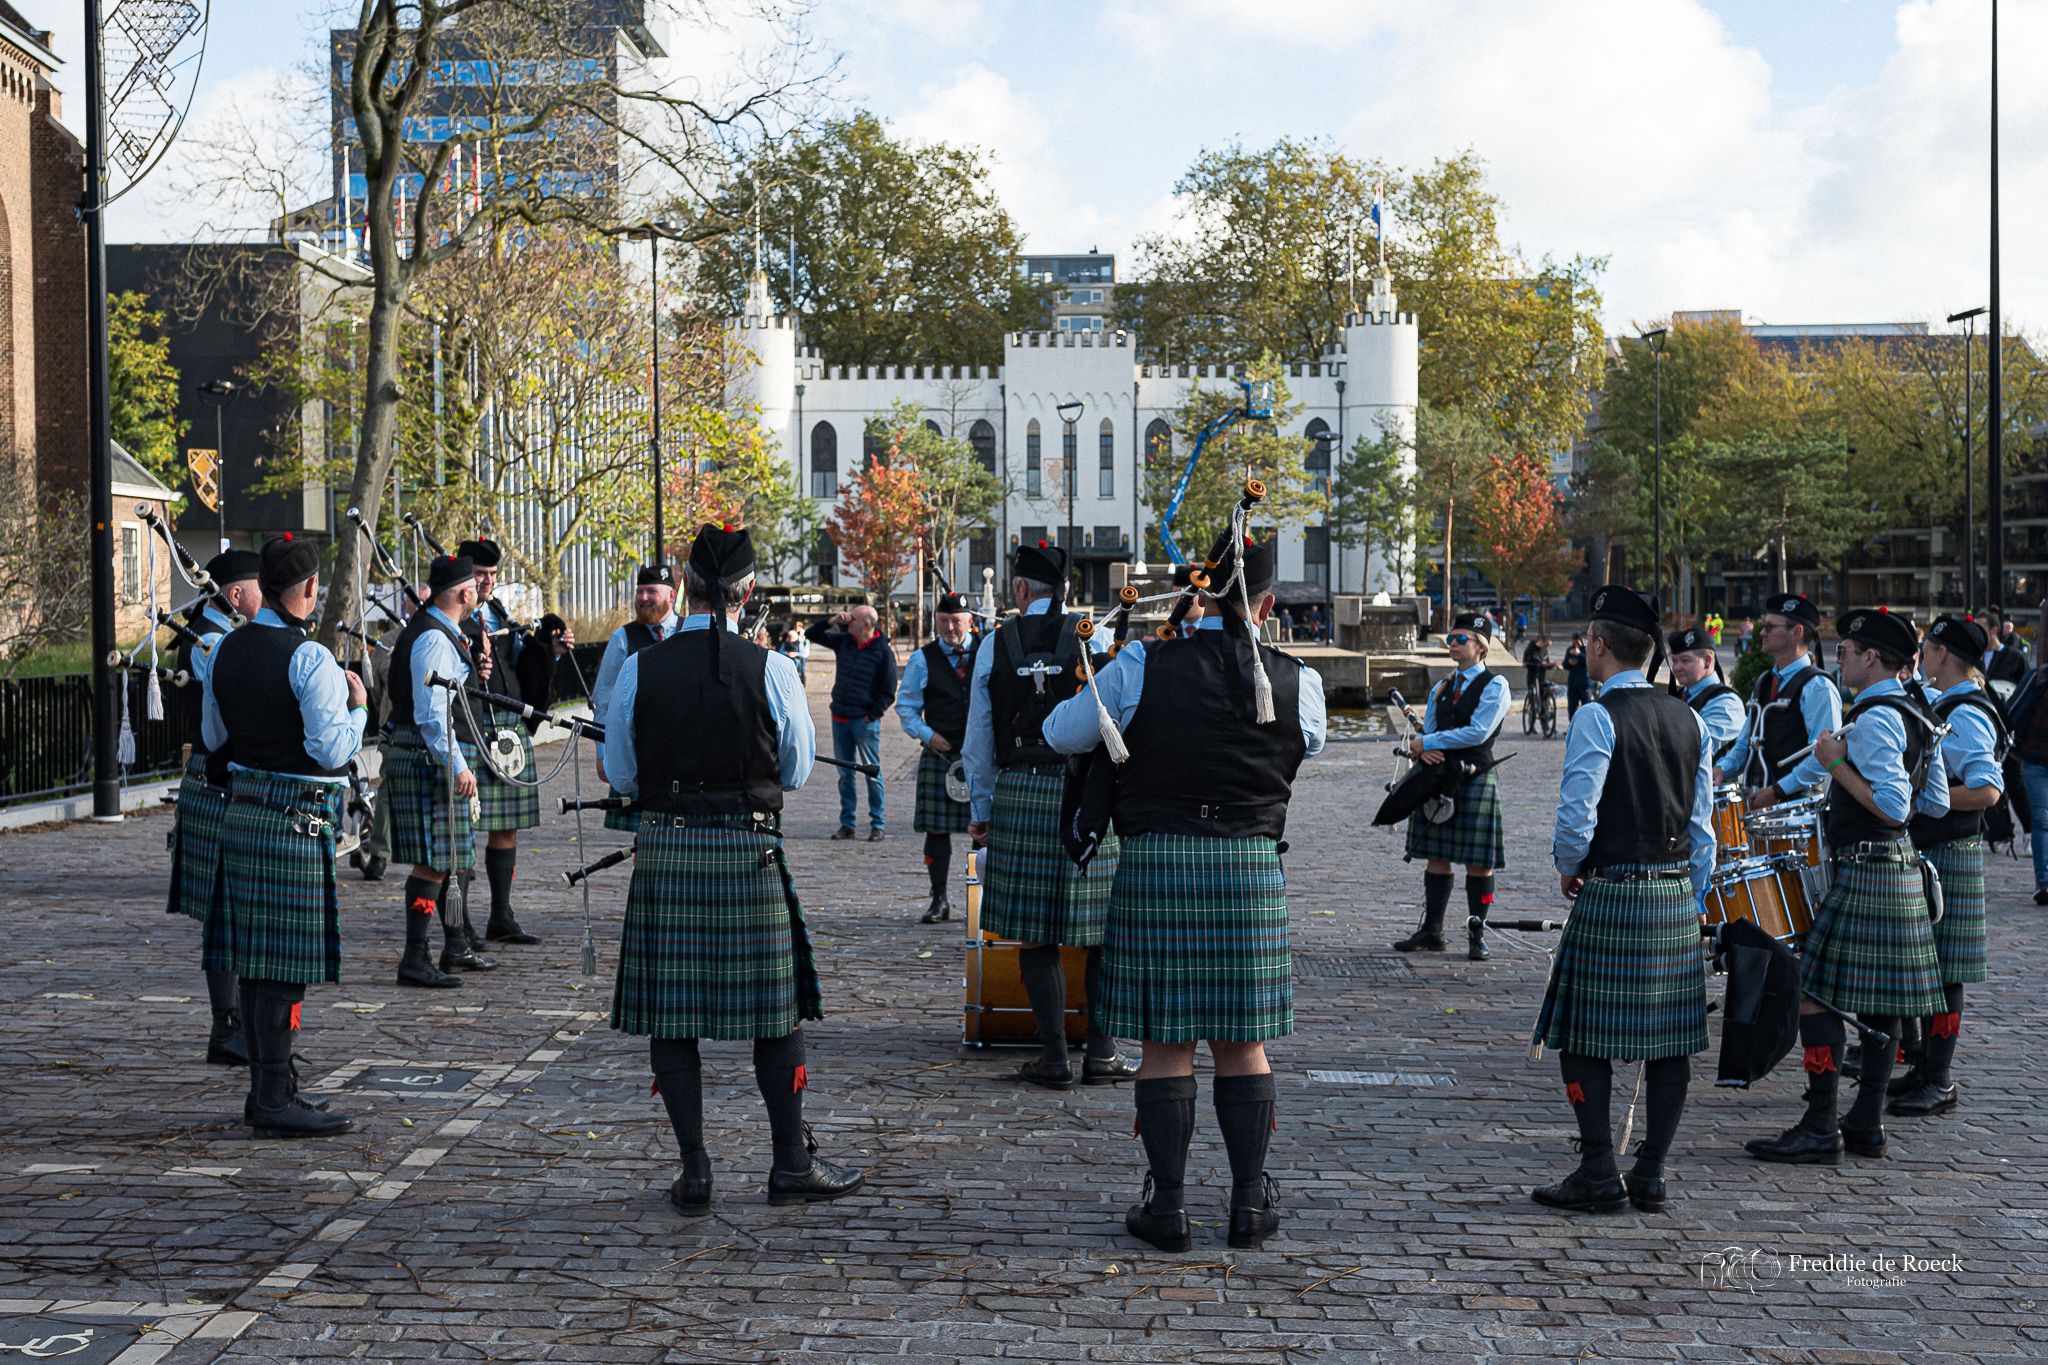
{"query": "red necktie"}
{"type": "Point", "coordinates": [1771, 687]}
{"type": "Point", "coordinates": [1457, 686]}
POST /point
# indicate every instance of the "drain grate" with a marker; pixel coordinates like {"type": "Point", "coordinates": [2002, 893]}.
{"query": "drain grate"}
{"type": "Point", "coordinates": [1421, 1078]}
{"type": "Point", "coordinates": [1353, 968]}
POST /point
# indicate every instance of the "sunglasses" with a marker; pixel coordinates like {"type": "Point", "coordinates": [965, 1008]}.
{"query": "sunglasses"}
{"type": "Point", "coordinates": [1458, 639]}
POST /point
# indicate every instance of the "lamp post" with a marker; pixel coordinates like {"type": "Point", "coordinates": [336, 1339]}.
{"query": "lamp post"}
{"type": "Point", "coordinates": [652, 233]}
{"type": "Point", "coordinates": [222, 392]}
{"type": "Point", "coordinates": [1994, 397]}
{"type": "Point", "coordinates": [1070, 413]}
{"type": "Point", "coordinates": [1969, 319]}
{"type": "Point", "coordinates": [1657, 531]}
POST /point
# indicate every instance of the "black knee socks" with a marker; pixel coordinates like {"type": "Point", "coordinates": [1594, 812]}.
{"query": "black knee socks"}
{"type": "Point", "coordinates": [1665, 1082]}
{"type": "Point", "coordinates": [938, 860]}
{"type": "Point", "coordinates": [1868, 1110]}
{"type": "Point", "coordinates": [454, 938]}
{"type": "Point", "coordinates": [1166, 1122]}
{"type": "Point", "coordinates": [1099, 1044]}
{"type": "Point", "coordinates": [1823, 1036]}
{"type": "Point", "coordinates": [1588, 1082]}
{"type": "Point", "coordinates": [501, 866]}
{"type": "Point", "coordinates": [1478, 900]}
{"type": "Point", "coordinates": [221, 994]}
{"type": "Point", "coordinates": [1436, 898]}
{"type": "Point", "coordinates": [422, 899]}
{"type": "Point", "coordinates": [1244, 1113]}
{"type": "Point", "coordinates": [1045, 984]}
{"type": "Point", "coordinates": [1938, 1051]}
{"type": "Point", "coordinates": [779, 1071]}
{"type": "Point", "coordinates": [679, 1074]}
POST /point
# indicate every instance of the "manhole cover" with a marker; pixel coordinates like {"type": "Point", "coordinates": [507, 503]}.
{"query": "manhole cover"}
{"type": "Point", "coordinates": [76, 1341]}
{"type": "Point", "coordinates": [1421, 1078]}
{"type": "Point", "coordinates": [413, 1080]}
{"type": "Point", "coordinates": [1352, 968]}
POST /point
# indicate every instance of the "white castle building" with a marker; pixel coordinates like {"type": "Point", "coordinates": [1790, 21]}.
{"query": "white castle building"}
{"type": "Point", "coordinates": [1011, 415]}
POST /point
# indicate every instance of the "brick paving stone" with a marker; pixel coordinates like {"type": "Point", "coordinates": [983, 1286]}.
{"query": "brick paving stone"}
{"type": "Point", "coordinates": [523, 1217]}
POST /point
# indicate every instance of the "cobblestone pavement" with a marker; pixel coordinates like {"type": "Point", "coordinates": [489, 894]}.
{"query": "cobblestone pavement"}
{"type": "Point", "coordinates": [517, 1210]}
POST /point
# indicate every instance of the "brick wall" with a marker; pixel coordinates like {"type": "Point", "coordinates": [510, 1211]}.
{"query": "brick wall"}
{"type": "Point", "coordinates": [56, 165]}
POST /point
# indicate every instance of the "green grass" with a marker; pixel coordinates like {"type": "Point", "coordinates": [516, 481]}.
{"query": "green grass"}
{"type": "Point", "coordinates": [75, 657]}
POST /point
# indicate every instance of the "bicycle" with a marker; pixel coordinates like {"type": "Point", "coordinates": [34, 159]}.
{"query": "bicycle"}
{"type": "Point", "coordinates": [1539, 706]}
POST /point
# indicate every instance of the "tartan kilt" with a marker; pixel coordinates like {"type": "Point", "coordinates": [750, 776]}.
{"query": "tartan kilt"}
{"type": "Point", "coordinates": [505, 805]}
{"type": "Point", "coordinates": [937, 813]}
{"type": "Point", "coordinates": [1196, 944]}
{"type": "Point", "coordinates": [1472, 836]}
{"type": "Point", "coordinates": [1959, 937]}
{"type": "Point", "coordinates": [417, 789]}
{"type": "Point", "coordinates": [714, 944]}
{"type": "Point", "coordinates": [1033, 891]}
{"type": "Point", "coordinates": [1871, 950]}
{"type": "Point", "coordinates": [626, 821]}
{"type": "Point", "coordinates": [275, 916]}
{"type": "Point", "coordinates": [1628, 980]}
{"type": "Point", "coordinates": [195, 842]}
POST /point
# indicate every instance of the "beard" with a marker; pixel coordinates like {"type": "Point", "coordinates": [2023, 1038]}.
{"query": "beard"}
{"type": "Point", "coordinates": [650, 615]}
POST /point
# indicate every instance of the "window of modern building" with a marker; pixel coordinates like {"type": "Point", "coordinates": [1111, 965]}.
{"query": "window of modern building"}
{"type": "Point", "coordinates": [1317, 458]}
{"type": "Point", "coordinates": [982, 436]}
{"type": "Point", "coordinates": [1315, 555]}
{"type": "Point", "coordinates": [824, 461]}
{"type": "Point", "coordinates": [1158, 441]}
{"type": "Point", "coordinates": [1106, 446]}
{"type": "Point", "coordinates": [1034, 457]}
{"type": "Point", "coordinates": [1109, 537]}
{"type": "Point", "coordinates": [981, 554]}
{"type": "Point", "coordinates": [1030, 535]}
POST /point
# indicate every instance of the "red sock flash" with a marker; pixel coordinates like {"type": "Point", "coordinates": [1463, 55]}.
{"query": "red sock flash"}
{"type": "Point", "coordinates": [802, 1082]}
{"type": "Point", "coordinates": [423, 905]}
{"type": "Point", "coordinates": [1575, 1092]}
{"type": "Point", "coordinates": [297, 1005]}
{"type": "Point", "coordinates": [1947, 1025]}
{"type": "Point", "coordinates": [1819, 1059]}
{"type": "Point", "coordinates": [655, 1089]}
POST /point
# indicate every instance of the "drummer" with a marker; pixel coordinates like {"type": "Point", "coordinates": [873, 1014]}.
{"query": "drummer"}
{"type": "Point", "coordinates": [931, 703]}
{"type": "Point", "coordinates": [1694, 669]}
{"type": "Point", "coordinates": [1791, 706]}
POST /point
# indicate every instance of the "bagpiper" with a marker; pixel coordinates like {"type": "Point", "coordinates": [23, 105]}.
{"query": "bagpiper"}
{"type": "Point", "coordinates": [1032, 893]}
{"type": "Point", "coordinates": [932, 706]}
{"type": "Point", "coordinates": [654, 620]}
{"type": "Point", "coordinates": [1634, 848]}
{"type": "Point", "coordinates": [195, 827]}
{"type": "Point", "coordinates": [709, 730]}
{"type": "Point", "coordinates": [1870, 951]}
{"type": "Point", "coordinates": [1464, 715]}
{"type": "Point", "coordinates": [282, 749]}
{"type": "Point", "coordinates": [1197, 942]}
{"type": "Point", "coordinates": [1789, 707]}
{"type": "Point", "coordinates": [1698, 676]}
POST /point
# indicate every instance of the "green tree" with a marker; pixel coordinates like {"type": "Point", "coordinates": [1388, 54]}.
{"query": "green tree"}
{"type": "Point", "coordinates": [903, 252]}
{"type": "Point", "coordinates": [1372, 501]}
{"type": "Point", "coordinates": [145, 387]}
{"type": "Point", "coordinates": [1795, 495]}
{"type": "Point", "coordinates": [959, 493]}
{"type": "Point", "coordinates": [1705, 367]}
{"type": "Point", "coordinates": [1243, 450]}
{"type": "Point", "coordinates": [1455, 451]}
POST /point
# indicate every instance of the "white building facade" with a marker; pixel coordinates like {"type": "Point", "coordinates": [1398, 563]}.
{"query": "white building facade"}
{"type": "Point", "coordinates": [1010, 415]}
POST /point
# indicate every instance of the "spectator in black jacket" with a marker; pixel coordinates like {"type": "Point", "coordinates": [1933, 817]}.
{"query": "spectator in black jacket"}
{"type": "Point", "coordinates": [2007, 661]}
{"type": "Point", "coordinates": [863, 690]}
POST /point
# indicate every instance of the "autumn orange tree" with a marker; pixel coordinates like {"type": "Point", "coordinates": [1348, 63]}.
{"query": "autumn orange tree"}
{"type": "Point", "coordinates": [1516, 520]}
{"type": "Point", "coordinates": [880, 515]}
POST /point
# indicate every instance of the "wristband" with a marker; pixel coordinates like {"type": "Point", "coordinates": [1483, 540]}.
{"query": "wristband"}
{"type": "Point", "coordinates": [1838, 762]}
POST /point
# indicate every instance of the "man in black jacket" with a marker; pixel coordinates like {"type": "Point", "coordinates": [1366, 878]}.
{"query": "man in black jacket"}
{"type": "Point", "coordinates": [2006, 661]}
{"type": "Point", "coordinates": [862, 691]}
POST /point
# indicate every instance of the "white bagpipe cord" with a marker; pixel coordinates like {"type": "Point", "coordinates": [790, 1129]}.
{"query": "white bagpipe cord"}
{"type": "Point", "coordinates": [1262, 686]}
{"type": "Point", "coordinates": [1628, 1127]}
{"type": "Point", "coordinates": [153, 698]}
{"type": "Point", "coordinates": [1112, 738]}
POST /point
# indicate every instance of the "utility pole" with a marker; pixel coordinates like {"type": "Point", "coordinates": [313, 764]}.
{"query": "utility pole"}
{"type": "Point", "coordinates": [106, 681]}
{"type": "Point", "coordinates": [1994, 414]}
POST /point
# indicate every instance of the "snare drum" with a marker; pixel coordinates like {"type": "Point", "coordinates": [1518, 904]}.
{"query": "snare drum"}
{"type": "Point", "coordinates": [1788, 829]}
{"type": "Point", "coordinates": [1731, 840]}
{"type": "Point", "coordinates": [1752, 889]}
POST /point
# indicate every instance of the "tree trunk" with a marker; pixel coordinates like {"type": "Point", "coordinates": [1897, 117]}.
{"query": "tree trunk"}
{"type": "Point", "coordinates": [1450, 512]}
{"type": "Point", "coordinates": [373, 447]}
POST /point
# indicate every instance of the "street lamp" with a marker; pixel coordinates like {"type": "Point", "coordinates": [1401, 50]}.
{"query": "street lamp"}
{"type": "Point", "coordinates": [1657, 534]}
{"type": "Point", "coordinates": [1070, 413]}
{"type": "Point", "coordinates": [1994, 392]}
{"type": "Point", "coordinates": [1968, 318]}
{"type": "Point", "coordinates": [221, 392]}
{"type": "Point", "coordinates": [653, 233]}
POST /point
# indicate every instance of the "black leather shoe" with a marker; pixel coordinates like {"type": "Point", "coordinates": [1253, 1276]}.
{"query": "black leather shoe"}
{"type": "Point", "coordinates": [501, 933]}
{"type": "Point", "coordinates": [1107, 1070]}
{"type": "Point", "coordinates": [819, 1183]}
{"type": "Point", "coordinates": [1851, 1063]}
{"type": "Point", "coordinates": [1925, 1102]}
{"type": "Point", "coordinates": [466, 960]}
{"type": "Point", "coordinates": [2041, 896]}
{"type": "Point", "coordinates": [942, 909]}
{"type": "Point", "coordinates": [1867, 1142]}
{"type": "Point", "coordinates": [227, 1049]}
{"type": "Point", "coordinates": [1475, 949]}
{"type": "Point", "coordinates": [374, 867]}
{"type": "Point", "coordinates": [1905, 1083]}
{"type": "Point", "coordinates": [1576, 1193]}
{"type": "Point", "coordinates": [844, 832]}
{"type": "Point", "coordinates": [1166, 1231]}
{"type": "Point", "coordinates": [1250, 1227]}
{"type": "Point", "coordinates": [691, 1194]}
{"type": "Point", "coordinates": [1038, 1073]}
{"type": "Point", "coordinates": [1421, 941]}
{"type": "Point", "coordinates": [417, 969]}
{"type": "Point", "coordinates": [1646, 1192]}
{"type": "Point", "coordinates": [296, 1119]}
{"type": "Point", "coordinates": [1798, 1146]}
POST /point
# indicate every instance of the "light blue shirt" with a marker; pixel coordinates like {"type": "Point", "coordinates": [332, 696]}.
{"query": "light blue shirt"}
{"type": "Point", "coordinates": [433, 652]}
{"type": "Point", "coordinates": [1970, 753]}
{"type": "Point", "coordinates": [1877, 746]}
{"type": "Point", "coordinates": [1486, 719]}
{"type": "Point", "coordinates": [334, 730]}
{"type": "Point", "coordinates": [1821, 707]}
{"type": "Point", "coordinates": [608, 668]}
{"type": "Point", "coordinates": [978, 752]}
{"type": "Point", "coordinates": [910, 692]}
{"type": "Point", "coordinates": [796, 738]}
{"type": "Point", "coordinates": [202, 659]}
{"type": "Point", "coordinates": [1074, 728]}
{"type": "Point", "coordinates": [1723, 714]}
{"type": "Point", "coordinates": [1588, 750]}
{"type": "Point", "coordinates": [496, 622]}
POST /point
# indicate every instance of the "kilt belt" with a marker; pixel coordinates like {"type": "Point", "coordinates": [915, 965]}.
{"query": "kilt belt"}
{"type": "Point", "coordinates": [625, 821]}
{"type": "Point", "coordinates": [1472, 837]}
{"type": "Point", "coordinates": [1871, 949]}
{"type": "Point", "coordinates": [1033, 892]}
{"type": "Point", "coordinates": [1628, 979]}
{"type": "Point", "coordinates": [936, 812]}
{"type": "Point", "coordinates": [275, 916]}
{"type": "Point", "coordinates": [417, 788]}
{"type": "Point", "coordinates": [1959, 939]}
{"type": "Point", "coordinates": [195, 843]}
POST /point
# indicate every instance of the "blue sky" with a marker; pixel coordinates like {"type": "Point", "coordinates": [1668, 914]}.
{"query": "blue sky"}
{"type": "Point", "coordinates": [1802, 160]}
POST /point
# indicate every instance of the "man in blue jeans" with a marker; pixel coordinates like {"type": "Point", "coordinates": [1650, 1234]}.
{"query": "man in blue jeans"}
{"type": "Point", "coordinates": [863, 690]}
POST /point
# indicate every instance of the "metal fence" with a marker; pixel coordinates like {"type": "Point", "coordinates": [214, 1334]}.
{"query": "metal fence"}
{"type": "Point", "coordinates": [46, 736]}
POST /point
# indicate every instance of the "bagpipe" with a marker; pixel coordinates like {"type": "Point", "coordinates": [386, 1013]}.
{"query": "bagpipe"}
{"type": "Point", "coordinates": [1760, 1006]}
{"type": "Point", "coordinates": [1428, 788]}
{"type": "Point", "coordinates": [1089, 784]}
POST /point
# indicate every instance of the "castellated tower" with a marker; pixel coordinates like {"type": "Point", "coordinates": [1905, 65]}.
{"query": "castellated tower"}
{"type": "Point", "coordinates": [768, 380]}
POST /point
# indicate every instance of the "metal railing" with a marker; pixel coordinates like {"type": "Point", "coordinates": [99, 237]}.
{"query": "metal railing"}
{"type": "Point", "coordinates": [46, 736]}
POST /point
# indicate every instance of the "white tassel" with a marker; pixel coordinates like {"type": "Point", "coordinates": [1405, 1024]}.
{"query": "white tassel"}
{"type": "Point", "coordinates": [153, 699]}
{"type": "Point", "coordinates": [124, 752]}
{"type": "Point", "coordinates": [1262, 686]}
{"type": "Point", "coordinates": [1111, 736]}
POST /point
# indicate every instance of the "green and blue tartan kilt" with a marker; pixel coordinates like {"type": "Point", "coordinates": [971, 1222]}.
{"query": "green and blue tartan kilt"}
{"type": "Point", "coordinates": [1196, 946]}
{"type": "Point", "coordinates": [1034, 893]}
{"type": "Point", "coordinates": [417, 788]}
{"type": "Point", "coordinates": [505, 805]}
{"type": "Point", "coordinates": [1959, 937]}
{"type": "Point", "coordinates": [1871, 949]}
{"type": "Point", "coordinates": [937, 813]}
{"type": "Point", "coordinates": [626, 821]}
{"type": "Point", "coordinates": [1628, 980]}
{"type": "Point", "coordinates": [1472, 836]}
{"type": "Point", "coordinates": [275, 916]}
{"type": "Point", "coordinates": [714, 944]}
{"type": "Point", "coordinates": [195, 843]}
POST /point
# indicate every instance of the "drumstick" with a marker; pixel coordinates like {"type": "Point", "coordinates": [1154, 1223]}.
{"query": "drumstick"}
{"type": "Point", "coordinates": [1790, 759]}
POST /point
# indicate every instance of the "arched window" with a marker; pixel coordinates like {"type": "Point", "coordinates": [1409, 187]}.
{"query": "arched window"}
{"type": "Point", "coordinates": [1034, 462]}
{"type": "Point", "coordinates": [933, 427]}
{"type": "Point", "coordinates": [1105, 444]}
{"type": "Point", "coordinates": [982, 436]}
{"type": "Point", "coordinates": [1317, 460]}
{"type": "Point", "coordinates": [872, 448]}
{"type": "Point", "coordinates": [825, 557]}
{"type": "Point", "coordinates": [824, 460]}
{"type": "Point", "coordinates": [1158, 441]}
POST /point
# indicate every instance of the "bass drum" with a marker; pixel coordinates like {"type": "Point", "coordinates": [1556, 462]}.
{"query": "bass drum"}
{"type": "Point", "coordinates": [995, 1008]}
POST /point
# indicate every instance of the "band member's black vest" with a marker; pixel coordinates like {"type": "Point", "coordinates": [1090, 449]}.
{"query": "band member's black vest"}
{"type": "Point", "coordinates": [401, 672]}
{"type": "Point", "coordinates": [1927, 831]}
{"type": "Point", "coordinates": [1200, 764]}
{"type": "Point", "coordinates": [705, 747]}
{"type": "Point", "coordinates": [945, 691]}
{"type": "Point", "coordinates": [1034, 672]}
{"type": "Point", "coordinates": [192, 700]}
{"type": "Point", "coordinates": [639, 635]}
{"type": "Point", "coordinates": [1784, 724]}
{"type": "Point", "coordinates": [1645, 810]}
{"type": "Point", "coordinates": [1698, 702]}
{"type": "Point", "coordinates": [1849, 821]}
{"type": "Point", "coordinates": [266, 728]}
{"type": "Point", "coordinates": [1461, 714]}
{"type": "Point", "coordinates": [504, 672]}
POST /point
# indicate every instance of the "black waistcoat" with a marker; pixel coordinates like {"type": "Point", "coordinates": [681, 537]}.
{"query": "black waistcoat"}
{"type": "Point", "coordinates": [1699, 702]}
{"type": "Point", "coordinates": [1927, 831]}
{"type": "Point", "coordinates": [1200, 765]}
{"type": "Point", "coordinates": [945, 691]}
{"type": "Point", "coordinates": [1461, 714]}
{"type": "Point", "coordinates": [504, 672]}
{"type": "Point", "coordinates": [1645, 810]}
{"type": "Point", "coordinates": [266, 728]}
{"type": "Point", "coordinates": [1784, 723]}
{"type": "Point", "coordinates": [705, 747]}
{"type": "Point", "coordinates": [192, 699]}
{"type": "Point", "coordinates": [639, 635]}
{"type": "Point", "coordinates": [1016, 705]}
{"type": "Point", "coordinates": [401, 672]}
{"type": "Point", "coordinates": [1849, 821]}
